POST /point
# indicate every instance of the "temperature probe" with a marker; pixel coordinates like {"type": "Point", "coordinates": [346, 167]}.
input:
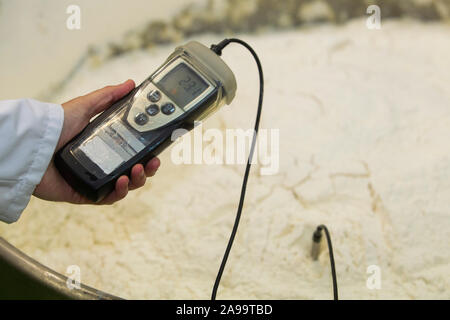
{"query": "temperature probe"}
{"type": "Point", "coordinates": [193, 83]}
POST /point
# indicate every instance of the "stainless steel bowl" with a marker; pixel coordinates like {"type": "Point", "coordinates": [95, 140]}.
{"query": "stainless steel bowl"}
{"type": "Point", "coordinates": [22, 277]}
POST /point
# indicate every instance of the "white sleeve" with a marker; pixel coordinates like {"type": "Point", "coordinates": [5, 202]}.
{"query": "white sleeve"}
{"type": "Point", "coordinates": [29, 132]}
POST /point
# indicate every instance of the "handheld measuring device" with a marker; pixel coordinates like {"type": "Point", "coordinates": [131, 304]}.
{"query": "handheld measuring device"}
{"type": "Point", "coordinates": [193, 83]}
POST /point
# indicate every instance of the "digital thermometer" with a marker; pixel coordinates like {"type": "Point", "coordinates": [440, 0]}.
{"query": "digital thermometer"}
{"type": "Point", "coordinates": [192, 84]}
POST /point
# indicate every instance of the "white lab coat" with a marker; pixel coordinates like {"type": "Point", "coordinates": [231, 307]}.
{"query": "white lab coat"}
{"type": "Point", "coordinates": [29, 132]}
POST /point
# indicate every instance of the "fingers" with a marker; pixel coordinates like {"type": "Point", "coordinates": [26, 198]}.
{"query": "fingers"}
{"type": "Point", "coordinates": [151, 167]}
{"type": "Point", "coordinates": [138, 175]}
{"type": "Point", "coordinates": [99, 100]}
{"type": "Point", "coordinates": [119, 192]}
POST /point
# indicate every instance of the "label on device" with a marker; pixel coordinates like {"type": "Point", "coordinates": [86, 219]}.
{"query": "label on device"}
{"type": "Point", "coordinates": [111, 146]}
{"type": "Point", "coordinates": [109, 159]}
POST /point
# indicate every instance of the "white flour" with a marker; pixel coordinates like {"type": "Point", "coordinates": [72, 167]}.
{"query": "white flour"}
{"type": "Point", "coordinates": [364, 124]}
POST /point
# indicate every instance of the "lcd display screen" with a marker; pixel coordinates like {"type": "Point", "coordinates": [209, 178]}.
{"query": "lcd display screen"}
{"type": "Point", "coordinates": [182, 85]}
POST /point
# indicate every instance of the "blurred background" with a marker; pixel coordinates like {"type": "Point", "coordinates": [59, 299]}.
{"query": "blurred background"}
{"type": "Point", "coordinates": [38, 51]}
{"type": "Point", "coordinates": [364, 121]}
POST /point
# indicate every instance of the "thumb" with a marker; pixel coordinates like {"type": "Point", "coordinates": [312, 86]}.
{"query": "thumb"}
{"type": "Point", "coordinates": [95, 102]}
{"type": "Point", "coordinates": [78, 111]}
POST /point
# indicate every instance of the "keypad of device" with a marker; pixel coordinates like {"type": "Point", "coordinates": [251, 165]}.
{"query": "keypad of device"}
{"type": "Point", "coordinates": [152, 109]}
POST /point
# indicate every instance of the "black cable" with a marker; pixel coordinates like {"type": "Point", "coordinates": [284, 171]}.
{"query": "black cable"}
{"type": "Point", "coordinates": [218, 50]}
{"type": "Point", "coordinates": [316, 237]}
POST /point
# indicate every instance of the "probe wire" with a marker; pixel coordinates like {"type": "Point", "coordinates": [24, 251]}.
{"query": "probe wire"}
{"type": "Point", "coordinates": [333, 266]}
{"type": "Point", "coordinates": [218, 50]}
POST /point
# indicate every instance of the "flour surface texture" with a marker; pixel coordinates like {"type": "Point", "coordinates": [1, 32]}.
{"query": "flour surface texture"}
{"type": "Point", "coordinates": [364, 124]}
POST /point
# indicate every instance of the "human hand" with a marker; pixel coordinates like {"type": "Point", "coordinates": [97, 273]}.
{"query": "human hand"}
{"type": "Point", "coordinates": [77, 114]}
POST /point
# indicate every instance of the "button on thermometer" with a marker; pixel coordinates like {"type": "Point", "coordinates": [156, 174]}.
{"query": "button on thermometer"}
{"type": "Point", "coordinates": [192, 84]}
